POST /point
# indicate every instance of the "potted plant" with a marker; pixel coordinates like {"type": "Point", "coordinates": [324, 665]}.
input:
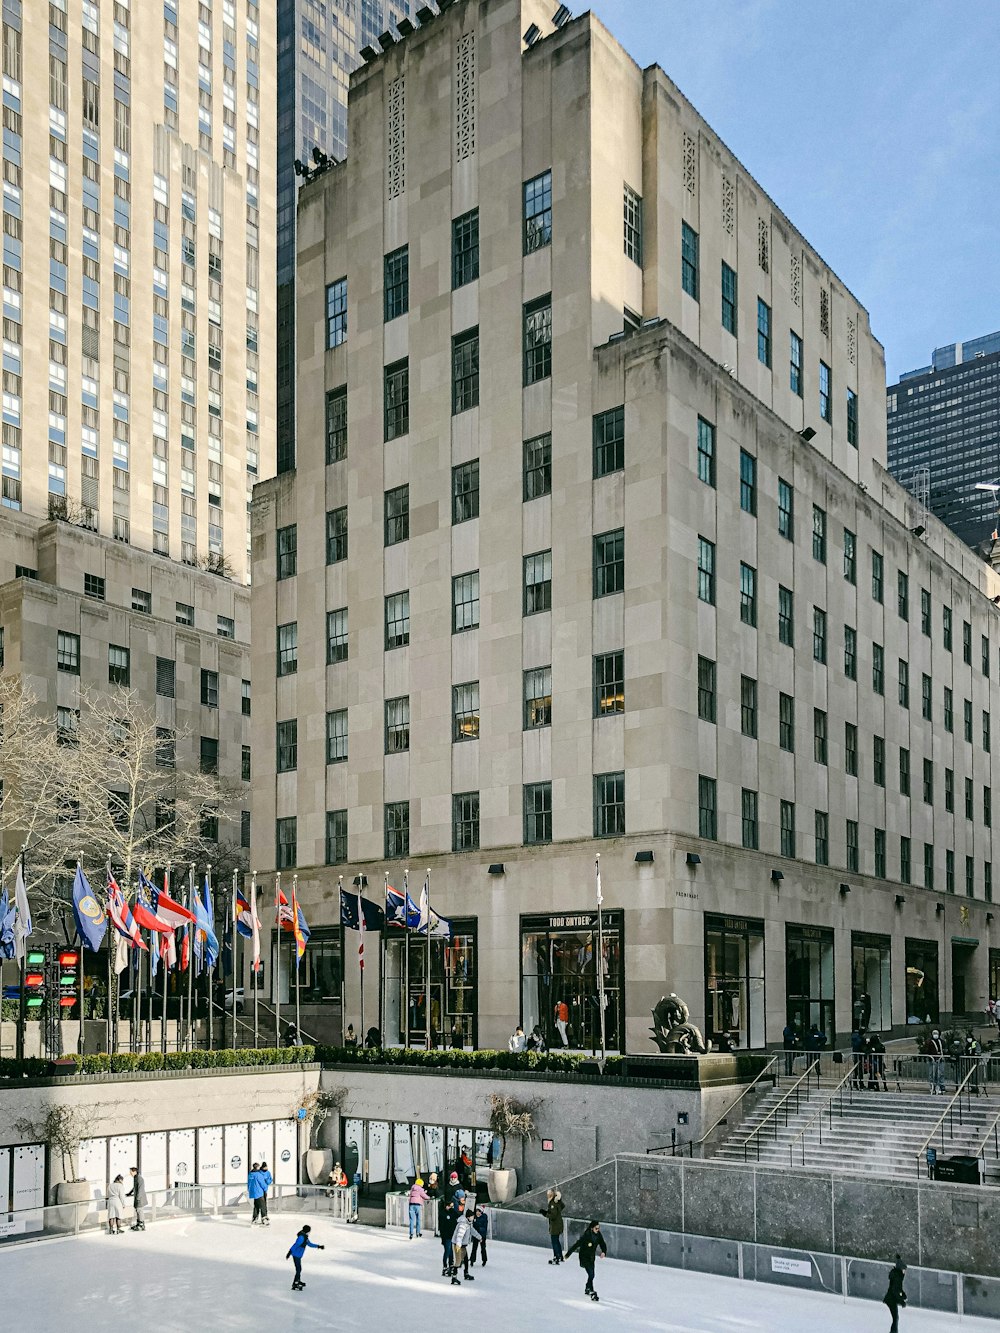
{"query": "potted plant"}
{"type": "Point", "coordinates": [509, 1119]}
{"type": "Point", "coordinates": [317, 1107]}
{"type": "Point", "coordinates": [62, 1128]}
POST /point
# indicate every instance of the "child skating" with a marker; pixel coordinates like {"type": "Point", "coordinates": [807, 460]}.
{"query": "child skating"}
{"type": "Point", "coordinates": [297, 1249]}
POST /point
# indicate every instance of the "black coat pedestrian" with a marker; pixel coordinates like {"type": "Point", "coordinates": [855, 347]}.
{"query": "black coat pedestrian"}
{"type": "Point", "coordinates": [447, 1220]}
{"type": "Point", "coordinates": [587, 1246]}
{"type": "Point", "coordinates": [554, 1213]}
{"type": "Point", "coordinates": [895, 1296]}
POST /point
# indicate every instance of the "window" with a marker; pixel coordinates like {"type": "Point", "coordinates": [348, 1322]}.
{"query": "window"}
{"type": "Point", "coordinates": [184, 613]}
{"type": "Point", "coordinates": [245, 763]}
{"type": "Point", "coordinates": [706, 452]}
{"type": "Point", "coordinates": [465, 249]}
{"type": "Point", "coordinates": [926, 689]}
{"type": "Point", "coordinates": [905, 861]}
{"type": "Point", "coordinates": [748, 594]}
{"type": "Point", "coordinates": [967, 719]}
{"type": "Point", "coordinates": [878, 668]}
{"type": "Point", "coordinates": [609, 805]}
{"type": "Point", "coordinates": [850, 749]}
{"type": "Point", "coordinates": [336, 535]}
{"type": "Point", "coordinates": [336, 425]}
{"type": "Point", "coordinates": [336, 837]}
{"type": "Point", "coordinates": [537, 467]}
{"type": "Point", "coordinates": [748, 706]}
{"type": "Point", "coordinates": [465, 491]}
{"type": "Point", "coordinates": [119, 669]}
{"type": "Point", "coordinates": [946, 627]}
{"type": "Point", "coordinates": [949, 710]}
{"type": "Point", "coordinates": [850, 556]}
{"type": "Point", "coordinates": [336, 636]}
{"type": "Point", "coordinates": [397, 283]}
{"type": "Point", "coordinates": [396, 399]}
{"type": "Point", "coordinates": [970, 877]}
{"type": "Point", "coordinates": [465, 602]}
{"type": "Point", "coordinates": [706, 571]}
{"type": "Point", "coordinates": [819, 534]}
{"type": "Point", "coordinates": [397, 620]}
{"type": "Point", "coordinates": [464, 371]}
{"type": "Point", "coordinates": [94, 587]}
{"type": "Point", "coordinates": [336, 312]}
{"type": "Point", "coordinates": [825, 403]}
{"type": "Point", "coordinates": [537, 582]}
{"type": "Point", "coordinates": [763, 332]}
{"type": "Point", "coordinates": [880, 857]}
{"type": "Point", "coordinates": [928, 865]}
{"type": "Point", "coordinates": [819, 736]}
{"type": "Point", "coordinates": [819, 635]}
{"type": "Point", "coordinates": [748, 482]}
{"type": "Point", "coordinates": [288, 649]}
{"type": "Point", "coordinates": [853, 858]}
{"type": "Point", "coordinates": [786, 510]}
{"type": "Point", "coordinates": [609, 442]}
{"type": "Point", "coordinates": [465, 711]}
{"type": "Point", "coordinates": [928, 782]}
{"type": "Point", "coordinates": [786, 722]}
{"type": "Point", "coordinates": [877, 576]}
{"type": "Point", "coordinates": [822, 827]}
{"type": "Point", "coordinates": [795, 363]}
{"type": "Point", "coordinates": [988, 881]}
{"type": "Point", "coordinates": [966, 642]}
{"type": "Point", "coordinates": [537, 813]}
{"type": "Point", "coordinates": [970, 802]}
{"type": "Point", "coordinates": [878, 761]}
{"type": "Point", "coordinates": [286, 743]}
{"type": "Point", "coordinates": [397, 515]}
{"type": "Point", "coordinates": [729, 299]}
{"type": "Point", "coordinates": [633, 225]}
{"type": "Point", "coordinates": [538, 212]}
{"type": "Point", "coordinates": [538, 340]}
{"type": "Point", "coordinates": [397, 829]}
{"type": "Point", "coordinates": [142, 601]}
{"type": "Point", "coordinates": [749, 826]}
{"type": "Point", "coordinates": [850, 653]}
{"type": "Point", "coordinates": [984, 649]}
{"type": "Point", "coordinates": [787, 819]}
{"type": "Point", "coordinates": [609, 563]}
{"type": "Point", "coordinates": [986, 731]}
{"type": "Point", "coordinates": [925, 611]}
{"type": "Point", "coordinates": [949, 790]}
{"type": "Point", "coordinates": [786, 615]}
{"type": "Point", "coordinates": [537, 698]}
{"type": "Point", "coordinates": [68, 653]}
{"type": "Point", "coordinates": [245, 698]}
{"type": "Point", "coordinates": [852, 418]}
{"type": "Point", "coordinates": [902, 595]}
{"type": "Point", "coordinates": [689, 260]}
{"type": "Point", "coordinates": [336, 736]}
{"type": "Point", "coordinates": [166, 674]}
{"type": "Point", "coordinates": [707, 808]}
{"type": "Point", "coordinates": [904, 771]}
{"type": "Point", "coordinates": [397, 725]}
{"type": "Point", "coordinates": [465, 821]}
{"type": "Point", "coordinates": [904, 684]}
{"type": "Point", "coordinates": [987, 807]}
{"type": "Point", "coordinates": [609, 684]}
{"type": "Point", "coordinates": [706, 689]}
{"type": "Point", "coordinates": [285, 843]}
{"type": "Point", "coordinates": [68, 729]}
{"type": "Point", "coordinates": [287, 551]}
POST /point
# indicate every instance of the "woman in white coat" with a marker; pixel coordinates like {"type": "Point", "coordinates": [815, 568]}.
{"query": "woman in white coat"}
{"type": "Point", "coordinates": [116, 1206]}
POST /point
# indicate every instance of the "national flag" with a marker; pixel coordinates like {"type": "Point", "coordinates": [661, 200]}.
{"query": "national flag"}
{"type": "Point", "coordinates": [168, 950]}
{"type": "Point", "coordinates": [206, 941]}
{"type": "Point", "coordinates": [91, 922]}
{"type": "Point", "coordinates": [122, 952]}
{"type": "Point", "coordinates": [121, 917]}
{"type": "Point", "coordinates": [600, 895]}
{"type": "Point", "coordinates": [185, 954]}
{"type": "Point", "coordinates": [144, 907]}
{"type": "Point", "coordinates": [167, 910]}
{"type": "Point", "coordinates": [361, 933]}
{"type": "Point", "coordinates": [354, 909]}
{"type": "Point", "coordinates": [299, 929]}
{"type": "Point", "coordinates": [7, 911]}
{"type": "Point", "coordinates": [22, 915]}
{"type": "Point", "coordinates": [429, 922]}
{"type": "Point", "coordinates": [248, 924]}
{"type": "Point", "coordinates": [395, 907]}
{"type": "Point", "coordinates": [154, 956]}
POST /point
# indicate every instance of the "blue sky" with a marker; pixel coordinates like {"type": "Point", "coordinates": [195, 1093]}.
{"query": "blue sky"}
{"type": "Point", "coordinates": [876, 128]}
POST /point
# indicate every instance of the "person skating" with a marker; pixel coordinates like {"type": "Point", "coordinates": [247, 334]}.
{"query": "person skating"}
{"type": "Point", "coordinates": [460, 1248]}
{"type": "Point", "coordinates": [255, 1192]}
{"type": "Point", "coordinates": [296, 1250]}
{"type": "Point", "coordinates": [138, 1194]}
{"type": "Point", "coordinates": [447, 1221]}
{"type": "Point", "coordinates": [895, 1296]}
{"type": "Point", "coordinates": [480, 1232]}
{"type": "Point", "coordinates": [116, 1206]}
{"type": "Point", "coordinates": [587, 1245]}
{"type": "Point", "coordinates": [266, 1180]}
{"type": "Point", "coordinates": [418, 1197]}
{"type": "Point", "coordinates": [554, 1212]}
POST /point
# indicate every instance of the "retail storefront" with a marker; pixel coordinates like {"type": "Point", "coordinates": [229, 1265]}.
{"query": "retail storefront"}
{"type": "Point", "coordinates": [809, 979]}
{"type": "Point", "coordinates": [452, 987]}
{"type": "Point", "coordinates": [390, 1154]}
{"type": "Point", "coordinates": [734, 980]}
{"type": "Point", "coordinates": [871, 976]}
{"type": "Point", "coordinates": [922, 994]}
{"type": "Point", "coordinates": [559, 966]}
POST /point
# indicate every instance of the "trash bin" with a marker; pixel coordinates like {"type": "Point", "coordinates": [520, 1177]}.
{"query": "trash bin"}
{"type": "Point", "coordinates": [958, 1170]}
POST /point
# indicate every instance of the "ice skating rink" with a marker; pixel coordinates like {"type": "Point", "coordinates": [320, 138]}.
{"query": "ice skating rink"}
{"type": "Point", "coordinates": [221, 1273]}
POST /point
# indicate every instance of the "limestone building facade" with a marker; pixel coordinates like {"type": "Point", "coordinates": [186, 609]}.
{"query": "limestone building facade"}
{"type": "Point", "coordinates": [591, 550]}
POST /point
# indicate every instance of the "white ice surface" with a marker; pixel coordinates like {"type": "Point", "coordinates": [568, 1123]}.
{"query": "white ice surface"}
{"type": "Point", "coordinates": [221, 1273]}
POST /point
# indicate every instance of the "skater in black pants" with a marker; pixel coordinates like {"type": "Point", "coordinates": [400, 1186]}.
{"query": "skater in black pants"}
{"type": "Point", "coordinates": [138, 1194]}
{"type": "Point", "coordinates": [480, 1231]}
{"type": "Point", "coordinates": [297, 1249]}
{"type": "Point", "coordinates": [553, 1210]}
{"type": "Point", "coordinates": [447, 1221]}
{"type": "Point", "coordinates": [895, 1297]}
{"type": "Point", "coordinates": [587, 1246]}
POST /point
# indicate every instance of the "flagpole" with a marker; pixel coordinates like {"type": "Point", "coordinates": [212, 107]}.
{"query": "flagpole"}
{"type": "Point", "coordinates": [295, 926]}
{"type": "Point", "coordinates": [22, 1011]}
{"type": "Point", "coordinates": [600, 958]}
{"type": "Point", "coordinates": [406, 960]}
{"type": "Point", "coordinates": [256, 974]}
{"type": "Point", "coordinates": [211, 967]}
{"type": "Point", "coordinates": [135, 962]}
{"type": "Point", "coordinates": [189, 1033]}
{"type": "Point", "coordinates": [427, 927]}
{"type": "Point", "coordinates": [236, 875]}
{"type": "Point", "coordinates": [277, 959]}
{"type": "Point", "coordinates": [361, 955]}
{"type": "Point", "coordinates": [165, 964]}
{"type": "Point", "coordinates": [79, 866]}
{"type": "Point", "coordinates": [111, 1017]}
{"type": "Point", "coordinates": [381, 959]}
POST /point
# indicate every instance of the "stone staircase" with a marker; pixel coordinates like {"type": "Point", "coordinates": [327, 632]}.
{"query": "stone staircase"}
{"type": "Point", "coordinates": [877, 1133]}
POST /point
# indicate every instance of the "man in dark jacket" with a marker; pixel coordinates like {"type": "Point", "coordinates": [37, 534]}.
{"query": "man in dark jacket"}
{"type": "Point", "coordinates": [895, 1297]}
{"type": "Point", "coordinates": [138, 1193]}
{"type": "Point", "coordinates": [587, 1246]}
{"type": "Point", "coordinates": [480, 1232]}
{"type": "Point", "coordinates": [447, 1222]}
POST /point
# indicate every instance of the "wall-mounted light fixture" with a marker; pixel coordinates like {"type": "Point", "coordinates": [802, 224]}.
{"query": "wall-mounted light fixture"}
{"type": "Point", "coordinates": [919, 530]}
{"type": "Point", "coordinates": [644, 858]}
{"type": "Point", "coordinates": [989, 917]}
{"type": "Point", "coordinates": [900, 900]}
{"type": "Point", "coordinates": [807, 434]}
{"type": "Point", "coordinates": [693, 859]}
{"type": "Point", "coordinates": [361, 881]}
{"type": "Point", "coordinates": [777, 876]}
{"type": "Point", "coordinates": [844, 890]}
{"type": "Point", "coordinates": [496, 868]}
{"type": "Point", "coordinates": [939, 909]}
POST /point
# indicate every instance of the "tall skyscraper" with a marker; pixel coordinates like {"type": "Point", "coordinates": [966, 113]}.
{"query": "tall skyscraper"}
{"type": "Point", "coordinates": [944, 434]}
{"type": "Point", "coordinates": [319, 42]}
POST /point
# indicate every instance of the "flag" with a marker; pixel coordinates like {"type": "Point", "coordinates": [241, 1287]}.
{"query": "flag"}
{"type": "Point", "coordinates": [227, 950]}
{"type": "Point", "coordinates": [144, 907]}
{"type": "Point", "coordinates": [7, 911]}
{"type": "Point", "coordinates": [600, 895]}
{"type": "Point", "coordinates": [169, 911]}
{"type": "Point", "coordinates": [168, 950]}
{"type": "Point", "coordinates": [299, 929]}
{"type": "Point", "coordinates": [205, 941]}
{"type": "Point", "coordinates": [121, 917]}
{"type": "Point", "coordinates": [91, 922]}
{"type": "Point", "coordinates": [354, 908]}
{"type": "Point", "coordinates": [154, 956]}
{"type": "Point", "coordinates": [430, 922]}
{"type": "Point", "coordinates": [248, 924]}
{"type": "Point", "coordinates": [121, 954]}
{"type": "Point", "coordinates": [185, 956]}
{"type": "Point", "coordinates": [22, 915]}
{"type": "Point", "coordinates": [395, 907]}
{"type": "Point", "coordinates": [361, 933]}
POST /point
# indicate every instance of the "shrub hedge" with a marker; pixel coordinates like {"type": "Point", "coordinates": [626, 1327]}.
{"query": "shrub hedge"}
{"type": "Point", "coordinates": [419, 1058]}
{"type": "Point", "coordinates": [127, 1062]}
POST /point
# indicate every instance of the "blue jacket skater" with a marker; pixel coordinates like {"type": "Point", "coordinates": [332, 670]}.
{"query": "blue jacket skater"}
{"type": "Point", "coordinates": [299, 1244]}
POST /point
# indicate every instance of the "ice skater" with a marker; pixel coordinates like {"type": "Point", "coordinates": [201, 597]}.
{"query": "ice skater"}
{"type": "Point", "coordinates": [418, 1197]}
{"type": "Point", "coordinates": [116, 1206]}
{"type": "Point", "coordinates": [297, 1249]}
{"type": "Point", "coordinates": [460, 1248]}
{"type": "Point", "coordinates": [266, 1181]}
{"type": "Point", "coordinates": [447, 1221]}
{"type": "Point", "coordinates": [138, 1194]}
{"type": "Point", "coordinates": [554, 1212]}
{"type": "Point", "coordinates": [480, 1232]}
{"type": "Point", "coordinates": [254, 1193]}
{"type": "Point", "coordinates": [895, 1297]}
{"type": "Point", "coordinates": [587, 1245]}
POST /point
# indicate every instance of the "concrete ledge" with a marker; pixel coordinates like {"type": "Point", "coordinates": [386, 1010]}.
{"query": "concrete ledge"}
{"type": "Point", "coordinates": [146, 1075]}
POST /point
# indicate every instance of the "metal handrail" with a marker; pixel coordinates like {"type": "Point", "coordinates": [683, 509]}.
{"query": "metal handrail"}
{"type": "Point", "coordinates": [780, 1103]}
{"type": "Point", "coordinates": [838, 1090]}
{"type": "Point", "coordinates": [948, 1112]}
{"type": "Point", "coordinates": [691, 1144]}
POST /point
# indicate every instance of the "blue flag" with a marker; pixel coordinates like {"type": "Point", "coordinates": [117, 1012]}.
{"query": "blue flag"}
{"type": "Point", "coordinates": [374, 915]}
{"type": "Point", "coordinates": [7, 911]}
{"type": "Point", "coordinates": [91, 923]}
{"type": "Point", "coordinates": [204, 927]}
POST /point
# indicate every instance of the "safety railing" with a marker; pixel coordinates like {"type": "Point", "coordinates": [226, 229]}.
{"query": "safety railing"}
{"type": "Point", "coordinates": [770, 1071]}
{"type": "Point", "coordinates": [961, 1100]}
{"type": "Point", "coordinates": [837, 1096]}
{"type": "Point", "coordinates": [781, 1109]}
